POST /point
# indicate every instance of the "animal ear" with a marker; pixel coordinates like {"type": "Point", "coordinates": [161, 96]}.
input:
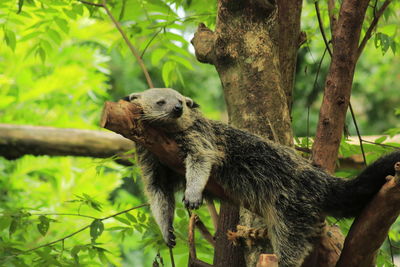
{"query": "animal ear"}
{"type": "Point", "coordinates": [190, 103]}
{"type": "Point", "coordinates": [133, 96]}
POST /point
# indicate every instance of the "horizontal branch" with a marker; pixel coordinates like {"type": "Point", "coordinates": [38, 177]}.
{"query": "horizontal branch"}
{"type": "Point", "coordinates": [19, 140]}
{"type": "Point", "coordinates": [124, 118]}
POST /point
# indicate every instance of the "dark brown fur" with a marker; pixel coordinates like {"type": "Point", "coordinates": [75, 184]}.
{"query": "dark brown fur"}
{"type": "Point", "coordinates": [292, 195]}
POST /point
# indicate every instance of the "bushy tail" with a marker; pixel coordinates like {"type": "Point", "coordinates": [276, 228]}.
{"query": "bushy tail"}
{"type": "Point", "coordinates": [347, 198]}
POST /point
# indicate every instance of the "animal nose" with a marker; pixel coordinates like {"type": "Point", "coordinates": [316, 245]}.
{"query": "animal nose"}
{"type": "Point", "coordinates": [126, 98]}
{"type": "Point", "coordinates": [178, 108]}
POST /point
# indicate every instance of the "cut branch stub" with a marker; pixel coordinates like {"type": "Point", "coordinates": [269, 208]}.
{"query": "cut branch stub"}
{"type": "Point", "coordinates": [124, 118]}
{"type": "Point", "coordinates": [203, 41]}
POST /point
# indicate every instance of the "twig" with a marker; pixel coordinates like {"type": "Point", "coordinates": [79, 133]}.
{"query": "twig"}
{"type": "Point", "coordinates": [63, 214]}
{"type": "Point", "coordinates": [192, 247]}
{"type": "Point", "coordinates": [321, 28]}
{"type": "Point", "coordinates": [150, 41]}
{"type": "Point", "coordinates": [204, 231]}
{"type": "Point", "coordinates": [78, 231]}
{"type": "Point", "coordinates": [90, 3]}
{"type": "Point", "coordinates": [378, 144]}
{"type": "Point", "coordinates": [126, 39]}
{"type": "Point", "coordinates": [358, 133]}
{"type": "Point", "coordinates": [130, 45]}
{"type": "Point", "coordinates": [371, 27]}
{"type": "Point", "coordinates": [171, 255]}
{"type": "Point", "coordinates": [213, 213]}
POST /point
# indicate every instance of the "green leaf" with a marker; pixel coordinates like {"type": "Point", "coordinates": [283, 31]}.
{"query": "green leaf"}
{"type": "Point", "coordinates": [30, 35]}
{"type": "Point", "coordinates": [166, 72]}
{"type": "Point", "coordinates": [92, 252]}
{"type": "Point", "coordinates": [103, 258]}
{"type": "Point", "coordinates": [44, 225]}
{"type": "Point", "coordinates": [54, 35]}
{"type": "Point", "coordinates": [131, 217]}
{"type": "Point", "coordinates": [157, 55]}
{"type": "Point", "coordinates": [5, 222]}
{"type": "Point", "coordinates": [20, 4]}
{"type": "Point", "coordinates": [184, 62]}
{"type": "Point", "coordinates": [380, 139]}
{"type": "Point", "coordinates": [96, 229]}
{"type": "Point", "coordinates": [181, 213]}
{"type": "Point", "coordinates": [13, 226]}
{"type": "Point", "coordinates": [78, 9]}
{"type": "Point", "coordinates": [70, 13]}
{"type": "Point", "coordinates": [62, 24]}
{"type": "Point", "coordinates": [10, 38]}
{"type": "Point", "coordinates": [122, 220]}
{"type": "Point", "coordinates": [74, 253]}
{"type": "Point", "coordinates": [41, 53]}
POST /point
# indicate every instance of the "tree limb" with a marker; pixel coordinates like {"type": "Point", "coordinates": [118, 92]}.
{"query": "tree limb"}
{"type": "Point", "coordinates": [19, 140]}
{"type": "Point", "coordinates": [371, 227]}
{"type": "Point", "coordinates": [213, 213]}
{"type": "Point", "coordinates": [123, 118]}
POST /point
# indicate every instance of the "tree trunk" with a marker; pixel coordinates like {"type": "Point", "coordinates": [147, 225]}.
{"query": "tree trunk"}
{"type": "Point", "coordinates": [246, 49]}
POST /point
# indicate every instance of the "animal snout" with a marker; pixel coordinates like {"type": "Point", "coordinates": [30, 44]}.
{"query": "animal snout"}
{"type": "Point", "coordinates": [177, 110]}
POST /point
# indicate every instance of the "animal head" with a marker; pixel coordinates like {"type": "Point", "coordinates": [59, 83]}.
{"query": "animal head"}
{"type": "Point", "coordinates": [164, 107]}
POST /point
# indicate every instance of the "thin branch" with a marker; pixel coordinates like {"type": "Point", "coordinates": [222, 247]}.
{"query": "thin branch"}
{"type": "Point", "coordinates": [204, 231]}
{"type": "Point", "coordinates": [55, 241]}
{"type": "Point", "coordinates": [358, 133]}
{"type": "Point", "coordinates": [128, 42]}
{"type": "Point", "coordinates": [192, 246]}
{"type": "Point", "coordinates": [150, 41]}
{"type": "Point", "coordinates": [378, 144]}
{"type": "Point", "coordinates": [331, 14]}
{"type": "Point", "coordinates": [171, 255]}
{"type": "Point", "coordinates": [371, 27]}
{"type": "Point", "coordinates": [78, 231]}
{"type": "Point", "coordinates": [126, 39]}
{"type": "Point", "coordinates": [321, 28]}
{"type": "Point", "coordinates": [63, 214]}
{"type": "Point", "coordinates": [213, 213]}
{"type": "Point", "coordinates": [90, 3]}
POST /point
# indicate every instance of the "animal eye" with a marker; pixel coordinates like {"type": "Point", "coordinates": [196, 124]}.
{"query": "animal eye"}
{"type": "Point", "coordinates": [180, 102]}
{"type": "Point", "coordinates": [161, 102]}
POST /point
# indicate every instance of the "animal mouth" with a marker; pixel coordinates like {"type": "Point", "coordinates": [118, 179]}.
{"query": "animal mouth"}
{"type": "Point", "coordinates": [176, 113]}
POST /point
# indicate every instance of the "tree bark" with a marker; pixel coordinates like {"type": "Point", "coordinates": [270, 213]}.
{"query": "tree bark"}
{"type": "Point", "coordinates": [19, 140]}
{"type": "Point", "coordinates": [371, 227]}
{"type": "Point", "coordinates": [245, 49]}
{"type": "Point", "coordinates": [346, 37]}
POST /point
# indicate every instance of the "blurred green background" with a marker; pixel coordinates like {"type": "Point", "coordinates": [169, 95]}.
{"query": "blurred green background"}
{"type": "Point", "coordinates": [60, 60]}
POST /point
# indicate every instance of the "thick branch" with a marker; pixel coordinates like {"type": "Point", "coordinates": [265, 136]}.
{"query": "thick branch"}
{"type": "Point", "coordinates": [338, 83]}
{"type": "Point", "coordinates": [123, 118]}
{"type": "Point", "coordinates": [370, 229]}
{"type": "Point", "coordinates": [19, 140]}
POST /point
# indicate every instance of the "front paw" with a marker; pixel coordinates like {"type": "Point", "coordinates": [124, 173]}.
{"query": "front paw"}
{"type": "Point", "coordinates": [192, 201]}
{"type": "Point", "coordinates": [170, 238]}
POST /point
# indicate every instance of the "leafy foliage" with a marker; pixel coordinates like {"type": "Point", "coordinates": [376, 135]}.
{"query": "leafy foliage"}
{"type": "Point", "coordinates": [61, 59]}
